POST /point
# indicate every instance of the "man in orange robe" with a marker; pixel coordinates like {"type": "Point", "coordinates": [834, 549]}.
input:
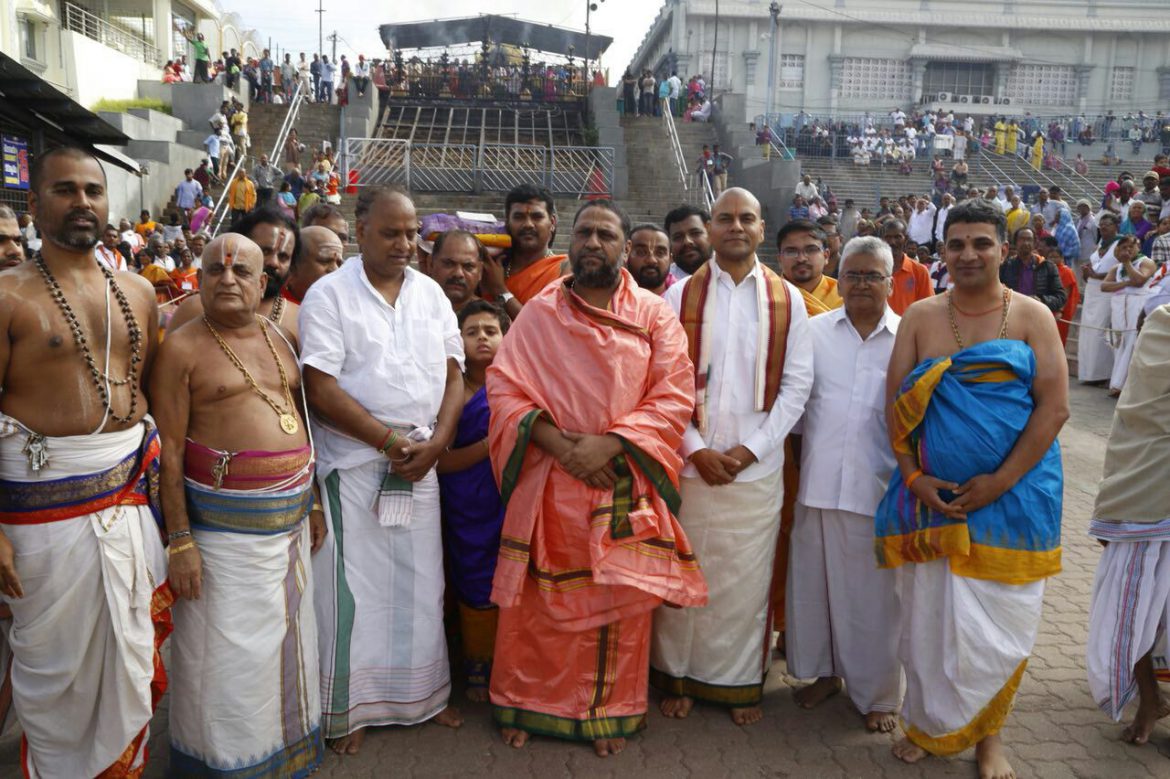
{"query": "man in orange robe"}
{"type": "Point", "coordinates": [531, 221]}
{"type": "Point", "coordinates": [803, 253]}
{"type": "Point", "coordinates": [588, 465]}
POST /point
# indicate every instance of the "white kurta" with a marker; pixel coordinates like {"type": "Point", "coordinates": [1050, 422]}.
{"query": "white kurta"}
{"type": "Point", "coordinates": [82, 637]}
{"type": "Point", "coordinates": [718, 652]}
{"type": "Point", "coordinates": [841, 608]}
{"type": "Point", "coordinates": [1125, 308]}
{"type": "Point", "coordinates": [1094, 357]}
{"type": "Point", "coordinates": [378, 589]}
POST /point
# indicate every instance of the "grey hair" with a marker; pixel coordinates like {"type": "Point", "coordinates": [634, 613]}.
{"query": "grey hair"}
{"type": "Point", "coordinates": [871, 245]}
{"type": "Point", "coordinates": [6, 212]}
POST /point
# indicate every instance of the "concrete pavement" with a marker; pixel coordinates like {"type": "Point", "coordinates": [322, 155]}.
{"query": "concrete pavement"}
{"type": "Point", "coordinates": [1055, 731]}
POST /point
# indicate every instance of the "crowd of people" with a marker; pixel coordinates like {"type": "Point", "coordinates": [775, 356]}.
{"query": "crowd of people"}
{"type": "Point", "coordinates": [628, 466]}
{"type": "Point", "coordinates": [648, 95]}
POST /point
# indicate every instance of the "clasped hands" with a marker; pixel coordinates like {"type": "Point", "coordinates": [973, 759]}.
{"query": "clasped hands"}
{"type": "Point", "coordinates": [587, 457]}
{"type": "Point", "coordinates": [972, 495]}
{"type": "Point", "coordinates": [412, 460]}
{"type": "Point", "coordinates": [719, 468]}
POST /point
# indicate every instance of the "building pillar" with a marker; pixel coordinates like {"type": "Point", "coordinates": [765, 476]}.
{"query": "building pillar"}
{"type": "Point", "coordinates": [917, 76]}
{"type": "Point", "coordinates": [750, 60]}
{"type": "Point", "coordinates": [1163, 82]}
{"type": "Point", "coordinates": [1084, 73]}
{"type": "Point", "coordinates": [162, 31]}
{"type": "Point", "coordinates": [678, 26]}
{"type": "Point", "coordinates": [1002, 71]}
{"type": "Point", "coordinates": [836, 73]}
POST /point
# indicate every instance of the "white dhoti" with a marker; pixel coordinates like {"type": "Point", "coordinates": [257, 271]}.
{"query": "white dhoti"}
{"type": "Point", "coordinates": [379, 602]}
{"type": "Point", "coordinates": [245, 678]}
{"type": "Point", "coordinates": [1129, 614]}
{"type": "Point", "coordinates": [719, 653]}
{"type": "Point", "coordinates": [842, 610]}
{"type": "Point", "coordinates": [85, 668]}
{"type": "Point", "coordinates": [1125, 308]}
{"type": "Point", "coordinates": [965, 644]}
{"type": "Point", "coordinates": [1094, 357]}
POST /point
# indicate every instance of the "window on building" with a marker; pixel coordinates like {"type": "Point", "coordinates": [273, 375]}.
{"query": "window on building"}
{"type": "Point", "coordinates": [791, 71]}
{"type": "Point", "coordinates": [1043, 84]}
{"type": "Point", "coordinates": [28, 35]}
{"type": "Point", "coordinates": [869, 78]}
{"type": "Point", "coordinates": [721, 78]}
{"type": "Point", "coordinates": [1122, 84]}
{"type": "Point", "coordinates": [959, 78]}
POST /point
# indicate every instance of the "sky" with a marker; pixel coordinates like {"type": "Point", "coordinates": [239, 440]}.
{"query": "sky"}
{"type": "Point", "coordinates": [292, 24]}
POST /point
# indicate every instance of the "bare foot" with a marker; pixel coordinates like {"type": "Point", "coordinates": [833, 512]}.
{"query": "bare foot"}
{"type": "Point", "coordinates": [350, 744]}
{"type": "Point", "coordinates": [1138, 731]}
{"type": "Point", "coordinates": [676, 708]}
{"type": "Point", "coordinates": [747, 716]}
{"type": "Point", "coordinates": [604, 747]}
{"type": "Point", "coordinates": [477, 694]}
{"type": "Point", "coordinates": [993, 763]}
{"type": "Point", "coordinates": [880, 722]}
{"type": "Point", "coordinates": [513, 737]}
{"type": "Point", "coordinates": [814, 694]}
{"type": "Point", "coordinates": [907, 751]}
{"type": "Point", "coordinates": [448, 717]}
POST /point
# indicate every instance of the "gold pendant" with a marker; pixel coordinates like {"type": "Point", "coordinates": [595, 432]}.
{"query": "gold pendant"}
{"type": "Point", "coordinates": [288, 423]}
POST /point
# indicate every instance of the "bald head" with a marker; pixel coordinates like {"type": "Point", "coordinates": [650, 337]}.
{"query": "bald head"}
{"type": "Point", "coordinates": [232, 280]}
{"type": "Point", "coordinates": [737, 228]}
{"type": "Point", "coordinates": [314, 238]}
{"type": "Point", "coordinates": [321, 254]}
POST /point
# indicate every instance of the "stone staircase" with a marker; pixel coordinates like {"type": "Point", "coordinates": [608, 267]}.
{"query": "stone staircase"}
{"type": "Point", "coordinates": [654, 187]}
{"type": "Point", "coordinates": [315, 123]}
{"type": "Point", "coordinates": [867, 184]}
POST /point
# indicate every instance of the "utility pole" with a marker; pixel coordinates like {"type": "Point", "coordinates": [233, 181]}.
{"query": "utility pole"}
{"type": "Point", "coordinates": [333, 38]}
{"type": "Point", "coordinates": [590, 6]}
{"type": "Point", "coordinates": [320, 31]}
{"type": "Point", "coordinates": [774, 10]}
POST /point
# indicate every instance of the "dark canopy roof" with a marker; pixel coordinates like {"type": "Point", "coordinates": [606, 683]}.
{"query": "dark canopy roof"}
{"type": "Point", "coordinates": [497, 29]}
{"type": "Point", "coordinates": [30, 102]}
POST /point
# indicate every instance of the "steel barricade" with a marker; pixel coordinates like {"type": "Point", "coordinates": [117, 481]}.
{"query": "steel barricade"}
{"type": "Point", "coordinates": [377, 161]}
{"type": "Point", "coordinates": [442, 168]}
{"type": "Point", "coordinates": [585, 171]}
{"type": "Point", "coordinates": [504, 166]}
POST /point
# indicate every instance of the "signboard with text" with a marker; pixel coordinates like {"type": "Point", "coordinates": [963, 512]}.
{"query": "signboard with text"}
{"type": "Point", "coordinates": [15, 153]}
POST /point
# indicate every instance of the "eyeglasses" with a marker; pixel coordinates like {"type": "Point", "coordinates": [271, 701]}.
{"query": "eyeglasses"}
{"type": "Point", "coordinates": [792, 253]}
{"type": "Point", "coordinates": [854, 277]}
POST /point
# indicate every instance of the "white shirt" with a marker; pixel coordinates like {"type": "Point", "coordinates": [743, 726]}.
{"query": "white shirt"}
{"type": "Point", "coordinates": [921, 227]}
{"type": "Point", "coordinates": [675, 84]}
{"type": "Point", "coordinates": [940, 224]}
{"type": "Point", "coordinates": [165, 262]}
{"type": "Point", "coordinates": [111, 258]}
{"type": "Point", "coordinates": [846, 460]}
{"type": "Point", "coordinates": [807, 191]}
{"type": "Point", "coordinates": [390, 359]}
{"type": "Point", "coordinates": [1103, 263]}
{"type": "Point", "coordinates": [732, 418]}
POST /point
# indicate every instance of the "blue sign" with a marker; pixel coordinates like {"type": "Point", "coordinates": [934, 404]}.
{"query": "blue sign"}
{"type": "Point", "coordinates": [15, 152]}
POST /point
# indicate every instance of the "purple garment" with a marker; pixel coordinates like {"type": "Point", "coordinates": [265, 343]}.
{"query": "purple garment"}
{"type": "Point", "coordinates": [1027, 281]}
{"type": "Point", "coordinates": [473, 515]}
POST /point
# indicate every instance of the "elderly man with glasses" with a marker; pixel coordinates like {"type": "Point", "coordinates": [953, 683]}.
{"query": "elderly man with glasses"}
{"type": "Point", "coordinates": [841, 608]}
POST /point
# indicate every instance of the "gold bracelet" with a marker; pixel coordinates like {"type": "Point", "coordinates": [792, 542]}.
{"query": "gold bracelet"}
{"type": "Point", "coordinates": [174, 550]}
{"type": "Point", "coordinates": [317, 507]}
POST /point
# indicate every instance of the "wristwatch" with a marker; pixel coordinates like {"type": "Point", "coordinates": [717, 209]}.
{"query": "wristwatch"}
{"type": "Point", "coordinates": [505, 297]}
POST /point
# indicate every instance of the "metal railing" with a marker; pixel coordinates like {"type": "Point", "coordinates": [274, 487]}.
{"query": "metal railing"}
{"type": "Point", "coordinates": [697, 185]}
{"type": "Point", "coordinates": [504, 166]}
{"type": "Point", "coordinates": [376, 162]}
{"type": "Point", "coordinates": [586, 171]}
{"type": "Point", "coordinates": [290, 118]}
{"type": "Point", "coordinates": [80, 20]}
{"type": "Point", "coordinates": [443, 168]}
{"type": "Point", "coordinates": [223, 206]}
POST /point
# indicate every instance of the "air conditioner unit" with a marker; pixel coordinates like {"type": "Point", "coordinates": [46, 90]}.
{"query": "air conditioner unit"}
{"type": "Point", "coordinates": [1004, 101]}
{"type": "Point", "coordinates": [985, 99]}
{"type": "Point", "coordinates": [944, 97]}
{"type": "Point", "coordinates": [964, 98]}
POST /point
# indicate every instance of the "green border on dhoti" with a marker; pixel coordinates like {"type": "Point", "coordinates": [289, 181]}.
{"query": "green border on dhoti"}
{"type": "Point", "coordinates": [736, 696]}
{"type": "Point", "coordinates": [336, 723]}
{"type": "Point", "coordinates": [571, 729]}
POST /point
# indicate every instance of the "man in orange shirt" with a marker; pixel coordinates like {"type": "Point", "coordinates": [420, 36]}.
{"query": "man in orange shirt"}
{"type": "Point", "coordinates": [911, 278]}
{"type": "Point", "coordinates": [531, 221]}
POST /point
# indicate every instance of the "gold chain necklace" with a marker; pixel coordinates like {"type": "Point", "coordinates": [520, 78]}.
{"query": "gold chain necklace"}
{"type": "Point", "coordinates": [288, 420]}
{"type": "Point", "coordinates": [277, 310]}
{"type": "Point", "coordinates": [1007, 296]}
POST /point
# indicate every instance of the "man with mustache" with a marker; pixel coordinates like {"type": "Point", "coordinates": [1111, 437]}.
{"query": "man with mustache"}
{"type": "Point", "coordinates": [802, 253]}
{"type": "Point", "coordinates": [280, 241]}
{"type": "Point", "coordinates": [456, 265]}
{"type": "Point", "coordinates": [82, 565]}
{"type": "Point", "coordinates": [649, 258]}
{"type": "Point", "coordinates": [686, 227]}
{"type": "Point", "coordinates": [841, 606]}
{"type": "Point", "coordinates": [11, 245]}
{"type": "Point", "coordinates": [531, 220]}
{"type": "Point", "coordinates": [748, 340]}
{"type": "Point", "coordinates": [581, 569]}
{"type": "Point", "coordinates": [382, 358]}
